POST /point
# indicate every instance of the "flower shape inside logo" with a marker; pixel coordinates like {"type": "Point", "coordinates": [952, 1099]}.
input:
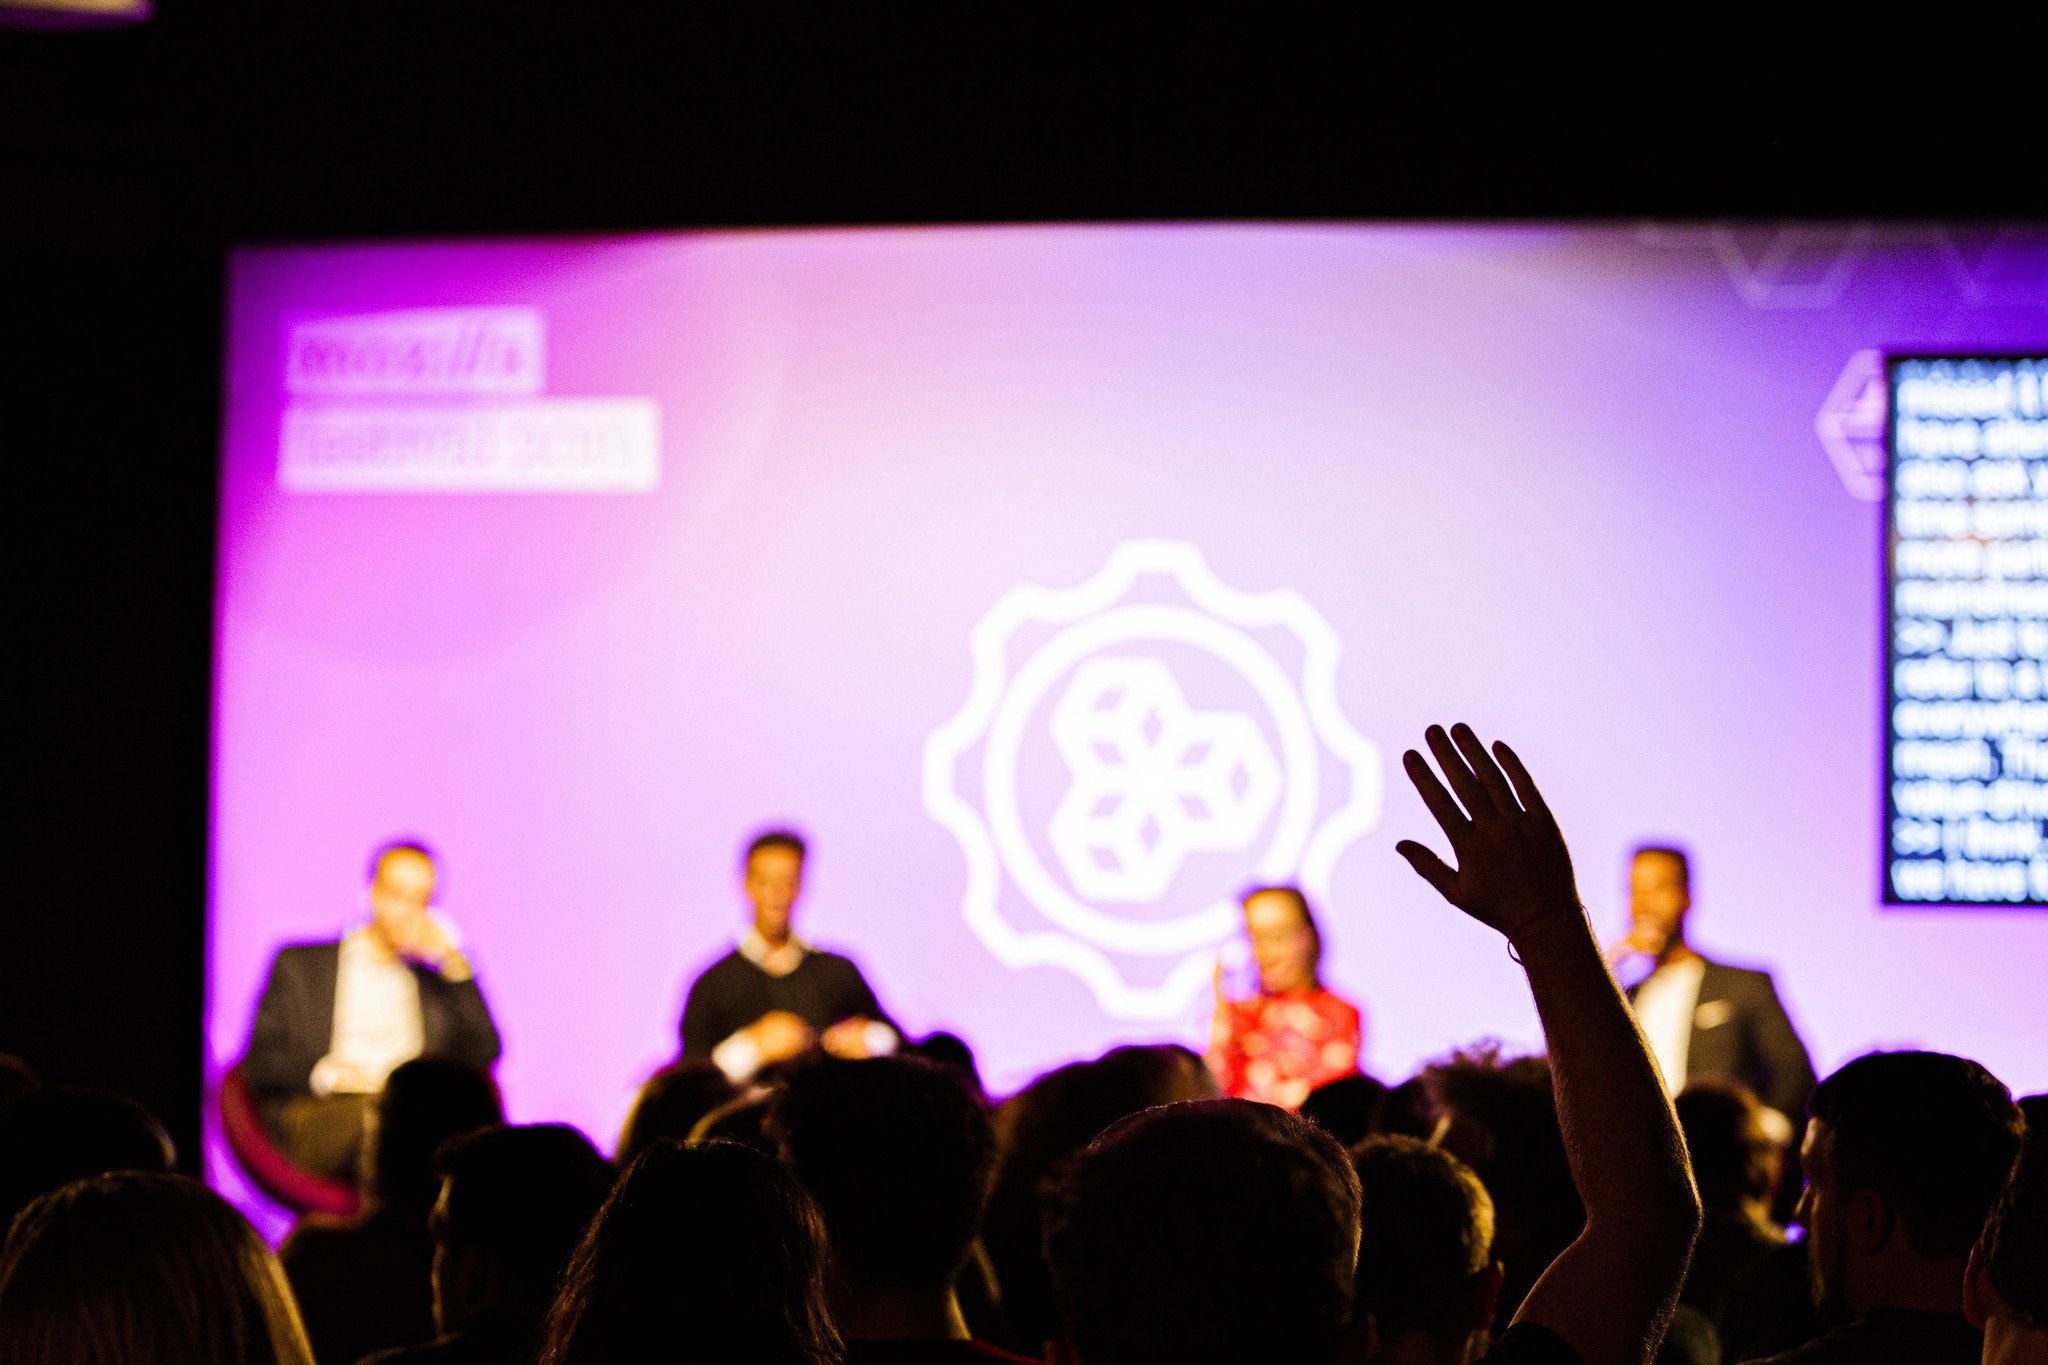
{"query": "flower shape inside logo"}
{"type": "Point", "coordinates": [1153, 808]}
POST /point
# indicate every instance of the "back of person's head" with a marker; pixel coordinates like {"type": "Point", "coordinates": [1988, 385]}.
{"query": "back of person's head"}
{"type": "Point", "coordinates": [1735, 1160]}
{"type": "Point", "coordinates": [1499, 1116]}
{"type": "Point", "coordinates": [53, 1135]}
{"type": "Point", "coordinates": [520, 1199]}
{"type": "Point", "coordinates": [898, 1152]}
{"type": "Point", "coordinates": [671, 1103]}
{"type": "Point", "coordinates": [704, 1250]}
{"type": "Point", "coordinates": [2013, 1248]}
{"type": "Point", "coordinates": [740, 1120]}
{"type": "Point", "coordinates": [1344, 1108]}
{"type": "Point", "coordinates": [1935, 1135]}
{"type": "Point", "coordinates": [1037, 1130]}
{"type": "Point", "coordinates": [143, 1269]}
{"type": "Point", "coordinates": [1063, 1110]}
{"type": "Point", "coordinates": [425, 1102]}
{"type": "Point", "coordinates": [1217, 1230]}
{"type": "Point", "coordinates": [1407, 1110]}
{"type": "Point", "coordinates": [950, 1049]}
{"type": "Point", "coordinates": [1425, 1250]}
{"type": "Point", "coordinates": [17, 1077]}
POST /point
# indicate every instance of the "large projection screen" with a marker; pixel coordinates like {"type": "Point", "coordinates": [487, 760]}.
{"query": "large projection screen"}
{"type": "Point", "coordinates": [1966, 534]}
{"type": "Point", "coordinates": [1060, 581]}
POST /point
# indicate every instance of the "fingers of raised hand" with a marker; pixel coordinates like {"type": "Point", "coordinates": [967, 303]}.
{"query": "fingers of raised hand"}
{"type": "Point", "coordinates": [1483, 767]}
{"type": "Point", "coordinates": [1430, 868]}
{"type": "Point", "coordinates": [1525, 785]}
{"type": "Point", "coordinates": [1458, 772]}
{"type": "Point", "coordinates": [1440, 802]}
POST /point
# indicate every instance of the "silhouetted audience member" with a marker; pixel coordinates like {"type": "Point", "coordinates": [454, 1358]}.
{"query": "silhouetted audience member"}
{"type": "Point", "coordinates": [705, 1251]}
{"type": "Point", "coordinates": [142, 1269]}
{"type": "Point", "coordinates": [364, 1283]}
{"type": "Point", "coordinates": [1735, 1164]}
{"type": "Point", "coordinates": [1904, 1156]}
{"type": "Point", "coordinates": [17, 1077]}
{"type": "Point", "coordinates": [1040, 1127]}
{"type": "Point", "coordinates": [740, 1120]}
{"type": "Point", "coordinates": [950, 1049]}
{"type": "Point", "coordinates": [1746, 1279]}
{"type": "Point", "coordinates": [514, 1204]}
{"type": "Point", "coordinates": [1427, 1283]}
{"type": "Point", "coordinates": [1344, 1108]}
{"type": "Point", "coordinates": [1213, 1230]}
{"type": "Point", "coordinates": [672, 1103]}
{"type": "Point", "coordinates": [1499, 1116]}
{"type": "Point", "coordinates": [2005, 1292]}
{"type": "Point", "coordinates": [897, 1152]}
{"type": "Point", "coordinates": [1406, 1110]}
{"type": "Point", "coordinates": [53, 1135]}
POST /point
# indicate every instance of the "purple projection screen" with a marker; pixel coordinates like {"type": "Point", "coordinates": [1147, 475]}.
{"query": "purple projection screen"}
{"type": "Point", "coordinates": [1060, 581]}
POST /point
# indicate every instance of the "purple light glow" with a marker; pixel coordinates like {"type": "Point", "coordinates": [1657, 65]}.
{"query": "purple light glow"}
{"type": "Point", "coordinates": [1564, 484]}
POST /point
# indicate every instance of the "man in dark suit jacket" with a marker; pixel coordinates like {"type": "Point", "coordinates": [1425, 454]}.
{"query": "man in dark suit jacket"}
{"type": "Point", "coordinates": [774, 996]}
{"type": "Point", "coordinates": [337, 1017]}
{"type": "Point", "coordinates": [1707, 1019]}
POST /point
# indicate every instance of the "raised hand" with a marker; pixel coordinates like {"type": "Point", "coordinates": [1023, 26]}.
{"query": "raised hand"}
{"type": "Point", "coordinates": [1513, 868]}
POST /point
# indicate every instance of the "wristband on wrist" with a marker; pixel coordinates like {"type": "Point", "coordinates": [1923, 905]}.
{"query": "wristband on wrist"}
{"type": "Point", "coordinates": [1524, 926]}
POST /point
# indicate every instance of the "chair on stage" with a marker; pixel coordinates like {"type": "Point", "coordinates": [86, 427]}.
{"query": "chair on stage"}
{"type": "Point", "coordinates": [269, 1168]}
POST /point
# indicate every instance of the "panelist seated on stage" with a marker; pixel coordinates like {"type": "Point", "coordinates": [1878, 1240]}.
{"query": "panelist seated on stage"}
{"type": "Point", "coordinates": [1294, 1035]}
{"type": "Point", "coordinates": [1706, 1020]}
{"type": "Point", "coordinates": [774, 996]}
{"type": "Point", "coordinates": [337, 1018]}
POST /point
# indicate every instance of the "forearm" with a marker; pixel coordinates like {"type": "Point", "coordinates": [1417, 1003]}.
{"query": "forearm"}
{"type": "Point", "coordinates": [1627, 1156]}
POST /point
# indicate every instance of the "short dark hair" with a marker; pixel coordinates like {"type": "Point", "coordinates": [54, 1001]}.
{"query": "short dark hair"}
{"type": "Point", "coordinates": [1299, 900]}
{"type": "Point", "coordinates": [1210, 1230]}
{"type": "Point", "coordinates": [1344, 1108]}
{"type": "Point", "coordinates": [775, 838]}
{"type": "Point", "coordinates": [2016, 1234]}
{"type": "Point", "coordinates": [424, 1102]}
{"type": "Point", "coordinates": [1934, 1134]}
{"type": "Point", "coordinates": [1426, 1230]}
{"type": "Point", "coordinates": [898, 1153]}
{"type": "Point", "coordinates": [1671, 851]}
{"type": "Point", "coordinates": [710, 1239]}
{"type": "Point", "coordinates": [522, 1195]}
{"type": "Point", "coordinates": [1526, 1170]}
{"type": "Point", "coordinates": [409, 844]}
{"type": "Point", "coordinates": [673, 1102]}
{"type": "Point", "coordinates": [1733, 1157]}
{"type": "Point", "coordinates": [56, 1134]}
{"type": "Point", "coordinates": [1042, 1126]}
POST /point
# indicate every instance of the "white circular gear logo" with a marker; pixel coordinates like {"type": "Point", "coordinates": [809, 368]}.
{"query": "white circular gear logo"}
{"type": "Point", "coordinates": [1134, 750]}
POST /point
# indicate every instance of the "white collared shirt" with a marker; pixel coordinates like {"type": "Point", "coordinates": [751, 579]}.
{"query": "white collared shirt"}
{"type": "Point", "coordinates": [774, 961]}
{"type": "Point", "coordinates": [1664, 1007]}
{"type": "Point", "coordinates": [377, 1022]}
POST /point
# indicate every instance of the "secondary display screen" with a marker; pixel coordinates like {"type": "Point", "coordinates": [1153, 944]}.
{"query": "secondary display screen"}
{"type": "Point", "coordinates": [1060, 582]}
{"type": "Point", "coordinates": [1967, 744]}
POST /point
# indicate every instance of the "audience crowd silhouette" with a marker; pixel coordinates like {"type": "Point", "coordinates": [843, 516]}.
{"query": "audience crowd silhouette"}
{"type": "Point", "coordinates": [1116, 1211]}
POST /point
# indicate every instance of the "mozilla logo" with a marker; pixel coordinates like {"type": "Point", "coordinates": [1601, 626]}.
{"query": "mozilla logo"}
{"type": "Point", "coordinates": [418, 351]}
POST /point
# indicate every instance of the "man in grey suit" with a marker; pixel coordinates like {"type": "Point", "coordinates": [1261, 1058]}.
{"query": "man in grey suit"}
{"type": "Point", "coordinates": [336, 1018]}
{"type": "Point", "coordinates": [1707, 1019]}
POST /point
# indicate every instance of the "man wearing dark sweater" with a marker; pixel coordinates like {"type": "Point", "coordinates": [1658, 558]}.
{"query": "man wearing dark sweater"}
{"type": "Point", "coordinates": [774, 995]}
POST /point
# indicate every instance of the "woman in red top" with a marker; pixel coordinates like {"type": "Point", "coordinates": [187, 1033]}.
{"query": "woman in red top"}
{"type": "Point", "coordinates": [1293, 1035]}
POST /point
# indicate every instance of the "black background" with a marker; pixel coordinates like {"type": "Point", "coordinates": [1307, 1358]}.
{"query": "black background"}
{"type": "Point", "coordinates": [130, 158]}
